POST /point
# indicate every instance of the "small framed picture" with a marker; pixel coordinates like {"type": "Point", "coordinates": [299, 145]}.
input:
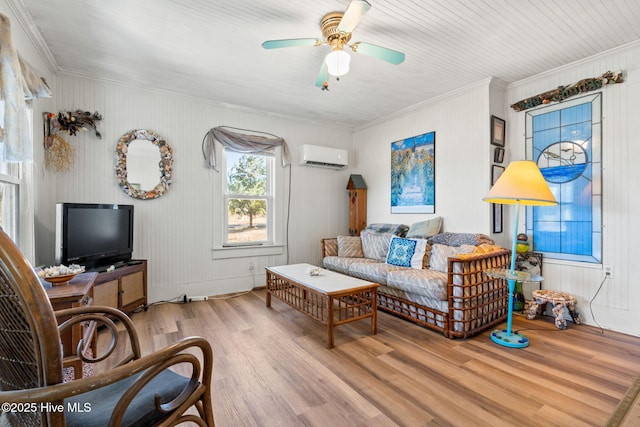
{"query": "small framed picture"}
{"type": "Point", "coordinates": [497, 131]}
{"type": "Point", "coordinates": [496, 171]}
{"type": "Point", "coordinates": [497, 218]}
{"type": "Point", "coordinates": [498, 155]}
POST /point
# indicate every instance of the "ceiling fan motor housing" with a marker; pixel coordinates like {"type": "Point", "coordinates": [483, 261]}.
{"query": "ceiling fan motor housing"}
{"type": "Point", "coordinates": [333, 36]}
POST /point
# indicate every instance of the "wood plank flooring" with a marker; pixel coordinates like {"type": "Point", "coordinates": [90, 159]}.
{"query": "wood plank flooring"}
{"type": "Point", "coordinates": [272, 368]}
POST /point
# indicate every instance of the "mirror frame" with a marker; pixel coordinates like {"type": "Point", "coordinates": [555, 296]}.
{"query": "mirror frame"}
{"type": "Point", "coordinates": [165, 164]}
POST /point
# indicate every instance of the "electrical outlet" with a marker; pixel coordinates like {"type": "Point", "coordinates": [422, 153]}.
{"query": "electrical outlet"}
{"type": "Point", "coordinates": [198, 298]}
{"type": "Point", "coordinates": [607, 271]}
{"type": "Point", "coordinates": [251, 266]}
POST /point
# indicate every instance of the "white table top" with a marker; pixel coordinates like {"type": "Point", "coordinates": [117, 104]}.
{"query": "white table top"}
{"type": "Point", "coordinates": [327, 282]}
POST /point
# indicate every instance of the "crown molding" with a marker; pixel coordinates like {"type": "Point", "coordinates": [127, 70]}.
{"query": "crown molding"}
{"type": "Point", "coordinates": [481, 83]}
{"type": "Point", "coordinates": [24, 20]}
{"type": "Point", "coordinates": [77, 75]}
{"type": "Point", "coordinates": [627, 47]}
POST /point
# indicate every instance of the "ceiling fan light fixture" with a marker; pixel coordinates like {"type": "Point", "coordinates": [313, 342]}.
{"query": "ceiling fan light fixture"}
{"type": "Point", "coordinates": [338, 62]}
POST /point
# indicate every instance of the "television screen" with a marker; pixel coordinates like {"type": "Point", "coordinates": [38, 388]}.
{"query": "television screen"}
{"type": "Point", "coordinates": [93, 235]}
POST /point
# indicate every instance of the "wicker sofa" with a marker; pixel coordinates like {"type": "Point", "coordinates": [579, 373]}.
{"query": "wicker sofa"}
{"type": "Point", "coordinates": [449, 292]}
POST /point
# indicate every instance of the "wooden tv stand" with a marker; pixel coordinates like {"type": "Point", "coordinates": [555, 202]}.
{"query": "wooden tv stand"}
{"type": "Point", "coordinates": [77, 293]}
{"type": "Point", "coordinates": [124, 288]}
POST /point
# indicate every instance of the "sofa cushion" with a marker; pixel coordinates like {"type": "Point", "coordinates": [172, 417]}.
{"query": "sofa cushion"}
{"type": "Point", "coordinates": [350, 246]}
{"type": "Point", "coordinates": [375, 245]}
{"type": "Point", "coordinates": [439, 253]}
{"type": "Point", "coordinates": [424, 229]}
{"type": "Point", "coordinates": [397, 229]}
{"type": "Point", "coordinates": [482, 249]}
{"type": "Point", "coordinates": [342, 264]}
{"type": "Point", "coordinates": [427, 283]}
{"type": "Point", "coordinates": [372, 271]}
{"type": "Point", "coordinates": [406, 252]}
{"type": "Point", "coordinates": [330, 246]}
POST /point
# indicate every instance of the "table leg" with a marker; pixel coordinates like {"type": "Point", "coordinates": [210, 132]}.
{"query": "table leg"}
{"type": "Point", "coordinates": [330, 325]}
{"type": "Point", "coordinates": [574, 313]}
{"type": "Point", "coordinates": [267, 299]}
{"type": "Point", "coordinates": [77, 369]}
{"type": "Point", "coordinates": [374, 312]}
{"type": "Point", "coordinates": [558, 311]}
{"type": "Point", "coordinates": [533, 310]}
{"type": "Point", "coordinates": [575, 316]}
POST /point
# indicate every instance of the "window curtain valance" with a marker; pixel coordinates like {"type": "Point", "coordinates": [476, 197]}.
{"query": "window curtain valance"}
{"type": "Point", "coordinates": [19, 82]}
{"type": "Point", "coordinates": [246, 143]}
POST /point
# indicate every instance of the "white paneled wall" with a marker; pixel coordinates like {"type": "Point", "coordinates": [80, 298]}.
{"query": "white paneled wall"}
{"type": "Point", "coordinates": [614, 306]}
{"type": "Point", "coordinates": [175, 232]}
{"type": "Point", "coordinates": [464, 156]}
{"type": "Point", "coordinates": [461, 122]}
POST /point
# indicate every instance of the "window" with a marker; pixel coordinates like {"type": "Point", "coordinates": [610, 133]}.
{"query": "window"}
{"type": "Point", "coordinates": [248, 199]}
{"type": "Point", "coordinates": [10, 180]}
{"type": "Point", "coordinates": [9, 198]}
{"type": "Point", "coordinates": [565, 141]}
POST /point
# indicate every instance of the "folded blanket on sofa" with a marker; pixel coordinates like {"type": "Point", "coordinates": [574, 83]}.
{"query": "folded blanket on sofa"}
{"type": "Point", "coordinates": [397, 229]}
{"type": "Point", "coordinates": [459, 239]}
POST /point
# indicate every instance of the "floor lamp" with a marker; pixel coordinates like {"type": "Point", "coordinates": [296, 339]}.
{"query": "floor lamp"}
{"type": "Point", "coordinates": [521, 183]}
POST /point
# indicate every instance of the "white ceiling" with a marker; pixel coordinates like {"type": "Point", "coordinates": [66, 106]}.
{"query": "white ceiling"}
{"type": "Point", "coordinates": [212, 48]}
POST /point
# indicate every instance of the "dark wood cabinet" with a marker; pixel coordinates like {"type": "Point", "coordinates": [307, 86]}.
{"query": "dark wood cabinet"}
{"type": "Point", "coordinates": [124, 288]}
{"type": "Point", "coordinates": [77, 293]}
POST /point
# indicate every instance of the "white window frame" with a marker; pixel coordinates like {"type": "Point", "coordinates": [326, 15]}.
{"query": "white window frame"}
{"type": "Point", "coordinates": [12, 174]}
{"type": "Point", "coordinates": [222, 248]}
{"type": "Point", "coordinates": [268, 196]}
{"type": "Point", "coordinates": [12, 226]}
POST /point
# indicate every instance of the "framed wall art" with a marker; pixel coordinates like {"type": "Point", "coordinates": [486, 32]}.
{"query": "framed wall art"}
{"type": "Point", "coordinates": [498, 155]}
{"type": "Point", "coordinates": [498, 128]}
{"type": "Point", "coordinates": [497, 218]}
{"type": "Point", "coordinates": [496, 171]}
{"type": "Point", "coordinates": [413, 174]}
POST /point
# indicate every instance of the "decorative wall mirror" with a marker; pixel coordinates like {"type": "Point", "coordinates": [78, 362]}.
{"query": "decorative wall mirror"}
{"type": "Point", "coordinates": [144, 161]}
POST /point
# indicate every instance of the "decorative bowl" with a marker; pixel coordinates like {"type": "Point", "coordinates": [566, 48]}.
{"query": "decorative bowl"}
{"type": "Point", "coordinates": [61, 279]}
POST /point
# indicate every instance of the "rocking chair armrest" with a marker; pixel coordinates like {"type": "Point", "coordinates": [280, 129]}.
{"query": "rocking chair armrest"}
{"type": "Point", "coordinates": [94, 309]}
{"type": "Point", "coordinates": [156, 362]}
{"type": "Point", "coordinates": [101, 316]}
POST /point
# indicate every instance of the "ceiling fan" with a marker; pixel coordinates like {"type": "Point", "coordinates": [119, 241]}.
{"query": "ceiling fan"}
{"type": "Point", "coordinates": [336, 29]}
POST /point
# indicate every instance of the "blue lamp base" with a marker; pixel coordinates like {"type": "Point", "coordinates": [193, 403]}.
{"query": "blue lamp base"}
{"type": "Point", "coordinates": [509, 339]}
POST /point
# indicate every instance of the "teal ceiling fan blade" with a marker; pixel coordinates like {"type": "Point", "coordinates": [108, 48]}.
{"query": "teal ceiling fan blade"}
{"type": "Point", "coordinates": [352, 16]}
{"type": "Point", "coordinates": [389, 55]}
{"type": "Point", "coordinates": [275, 44]}
{"type": "Point", "coordinates": [323, 77]}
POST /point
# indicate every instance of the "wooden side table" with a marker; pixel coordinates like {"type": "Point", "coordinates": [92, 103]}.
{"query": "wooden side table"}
{"type": "Point", "coordinates": [78, 292]}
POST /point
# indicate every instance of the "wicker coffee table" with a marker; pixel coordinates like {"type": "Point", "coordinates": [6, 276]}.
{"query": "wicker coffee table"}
{"type": "Point", "coordinates": [330, 298]}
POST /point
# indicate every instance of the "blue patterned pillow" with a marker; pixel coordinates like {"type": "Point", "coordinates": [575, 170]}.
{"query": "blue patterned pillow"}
{"type": "Point", "coordinates": [406, 252]}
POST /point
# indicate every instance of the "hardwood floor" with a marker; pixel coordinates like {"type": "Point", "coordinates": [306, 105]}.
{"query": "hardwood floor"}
{"type": "Point", "coordinates": [272, 368]}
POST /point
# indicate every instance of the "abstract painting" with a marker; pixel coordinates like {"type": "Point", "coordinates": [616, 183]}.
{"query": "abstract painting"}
{"type": "Point", "coordinates": [413, 186]}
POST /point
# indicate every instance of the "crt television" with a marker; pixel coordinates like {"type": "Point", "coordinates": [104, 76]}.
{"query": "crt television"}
{"type": "Point", "coordinates": [93, 235]}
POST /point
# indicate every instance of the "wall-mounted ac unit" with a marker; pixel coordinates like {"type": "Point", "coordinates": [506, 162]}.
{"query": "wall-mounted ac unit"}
{"type": "Point", "coordinates": [324, 157]}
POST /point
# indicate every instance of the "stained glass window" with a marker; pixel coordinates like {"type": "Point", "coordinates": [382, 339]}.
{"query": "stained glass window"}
{"type": "Point", "coordinates": [565, 141]}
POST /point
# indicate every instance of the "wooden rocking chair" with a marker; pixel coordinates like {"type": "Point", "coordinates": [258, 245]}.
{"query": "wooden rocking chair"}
{"type": "Point", "coordinates": [138, 390]}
